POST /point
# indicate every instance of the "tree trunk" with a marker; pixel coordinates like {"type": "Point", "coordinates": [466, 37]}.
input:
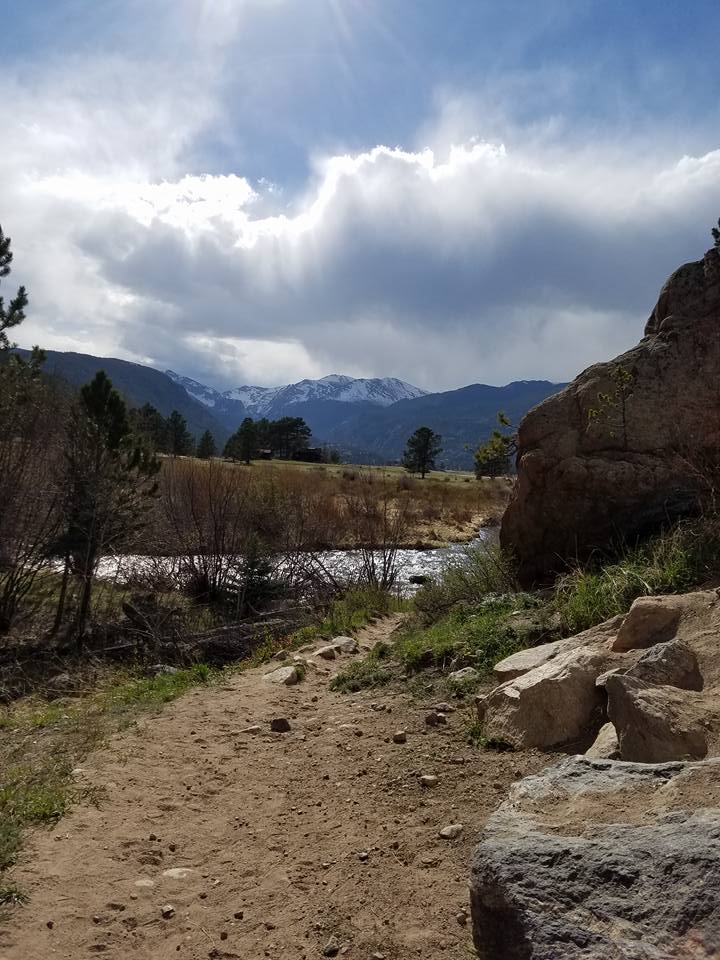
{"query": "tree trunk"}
{"type": "Point", "coordinates": [60, 612]}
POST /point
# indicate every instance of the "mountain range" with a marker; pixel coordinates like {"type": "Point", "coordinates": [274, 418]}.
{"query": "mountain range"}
{"type": "Point", "coordinates": [367, 420]}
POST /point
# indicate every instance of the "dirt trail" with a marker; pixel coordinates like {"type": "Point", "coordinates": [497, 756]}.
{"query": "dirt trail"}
{"type": "Point", "coordinates": [264, 831]}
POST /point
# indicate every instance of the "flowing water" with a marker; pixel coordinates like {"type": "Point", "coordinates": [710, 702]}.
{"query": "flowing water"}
{"type": "Point", "coordinates": [342, 565]}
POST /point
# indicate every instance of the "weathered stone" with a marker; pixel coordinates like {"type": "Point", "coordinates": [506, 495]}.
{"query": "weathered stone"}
{"type": "Point", "coordinates": [656, 723]}
{"type": "Point", "coordinates": [524, 661]}
{"type": "Point", "coordinates": [428, 780]}
{"type": "Point", "coordinates": [650, 620]}
{"type": "Point", "coordinates": [332, 947]}
{"type": "Point", "coordinates": [400, 736]}
{"type": "Point", "coordinates": [179, 873]}
{"type": "Point", "coordinates": [672, 664]}
{"type": "Point", "coordinates": [590, 468]}
{"type": "Point", "coordinates": [451, 832]}
{"type": "Point", "coordinates": [555, 703]}
{"type": "Point", "coordinates": [435, 718]}
{"type": "Point", "coordinates": [327, 653]}
{"type": "Point", "coordinates": [602, 860]}
{"type": "Point", "coordinates": [288, 676]}
{"type": "Point", "coordinates": [345, 645]}
{"type": "Point", "coordinates": [606, 745]}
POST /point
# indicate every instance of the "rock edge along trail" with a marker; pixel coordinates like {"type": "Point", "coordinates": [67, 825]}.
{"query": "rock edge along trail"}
{"type": "Point", "coordinates": [214, 840]}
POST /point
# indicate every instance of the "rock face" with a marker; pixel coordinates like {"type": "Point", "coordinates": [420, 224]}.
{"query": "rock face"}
{"type": "Point", "coordinates": [602, 860]}
{"type": "Point", "coordinates": [608, 455]}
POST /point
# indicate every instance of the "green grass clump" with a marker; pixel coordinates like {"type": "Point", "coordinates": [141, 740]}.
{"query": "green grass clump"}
{"type": "Point", "coordinates": [29, 796]}
{"type": "Point", "coordinates": [11, 895]}
{"type": "Point", "coordinates": [153, 691]}
{"type": "Point", "coordinates": [356, 608]}
{"type": "Point", "coordinates": [362, 675]}
{"type": "Point", "coordinates": [476, 639]}
{"type": "Point", "coordinates": [674, 562]}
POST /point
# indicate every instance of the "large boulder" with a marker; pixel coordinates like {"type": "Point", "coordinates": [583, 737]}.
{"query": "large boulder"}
{"type": "Point", "coordinates": [602, 860]}
{"type": "Point", "coordinates": [655, 723]}
{"type": "Point", "coordinates": [555, 703]}
{"type": "Point", "coordinates": [609, 455]}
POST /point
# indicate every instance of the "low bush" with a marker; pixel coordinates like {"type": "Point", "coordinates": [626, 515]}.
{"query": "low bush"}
{"type": "Point", "coordinates": [478, 573]}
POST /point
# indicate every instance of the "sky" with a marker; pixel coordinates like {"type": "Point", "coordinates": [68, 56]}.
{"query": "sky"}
{"type": "Point", "coordinates": [446, 191]}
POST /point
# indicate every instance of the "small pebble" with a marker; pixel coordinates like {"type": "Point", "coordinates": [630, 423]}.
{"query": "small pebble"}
{"type": "Point", "coordinates": [452, 831]}
{"type": "Point", "coordinates": [400, 737]}
{"type": "Point", "coordinates": [167, 911]}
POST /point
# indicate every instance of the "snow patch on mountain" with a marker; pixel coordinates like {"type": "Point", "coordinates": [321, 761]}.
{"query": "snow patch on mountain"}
{"type": "Point", "coordinates": [198, 391]}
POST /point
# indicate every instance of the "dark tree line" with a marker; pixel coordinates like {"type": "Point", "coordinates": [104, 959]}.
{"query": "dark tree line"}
{"type": "Point", "coordinates": [285, 438]}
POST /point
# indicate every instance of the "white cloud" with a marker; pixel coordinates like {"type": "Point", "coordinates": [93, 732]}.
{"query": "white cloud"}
{"type": "Point", "coordinates": [457, 261]}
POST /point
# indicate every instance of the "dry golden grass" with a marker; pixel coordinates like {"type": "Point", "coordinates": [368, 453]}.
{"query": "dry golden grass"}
{"type": "Point", "coordinates": [318, 500]}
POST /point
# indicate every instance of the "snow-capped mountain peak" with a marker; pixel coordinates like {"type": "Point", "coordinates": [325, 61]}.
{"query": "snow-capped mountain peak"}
{"type": "Point", "coordinates": [271, 401]}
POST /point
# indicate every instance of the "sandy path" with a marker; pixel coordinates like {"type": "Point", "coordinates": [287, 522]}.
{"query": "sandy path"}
{"type": "Point", "coordinates": [266, 830]}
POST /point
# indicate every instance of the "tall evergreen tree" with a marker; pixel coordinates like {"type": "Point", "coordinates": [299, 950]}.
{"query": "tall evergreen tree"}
{"type": "Point", "coordinates": [106, 480]}
{"type": "Point", "coordinates": [421, 450]}
{"type": "Point", "coordinates": [180, 440]}
{"type": "Point", "coordinates": [151, 425]}
{"type": "Point", "coordinates": [716, 234]}
{"type": "Point", "coordinates": [206, 447]}
{"type": "Point", "coordinates": [247, 440]}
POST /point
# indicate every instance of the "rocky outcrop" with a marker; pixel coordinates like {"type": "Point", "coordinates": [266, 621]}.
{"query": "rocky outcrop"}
{"type": "Point", "coordinates": [654, 674]}
{"type": "Point", "coordinates": [609, 455]}
{"type": "Point", "coordinates": [602, 860]}
{"type": "Point", "coordinates": [524, 661]}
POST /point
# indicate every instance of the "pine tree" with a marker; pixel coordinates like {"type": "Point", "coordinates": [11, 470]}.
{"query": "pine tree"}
{"type": "Point", "coordinates": [421, 450]}
{"type": "Point", "coordinates": [14, 313]}
{"type": "Point", "coordinates": [105, 483]}
{"type": "Point", "coordinates": [151, 425]}
{"type": "Point", "coordinates": [180, 440]}
{"type": "Point", "coordinates": [206, 448]}
{"type": "Point", "coordinates": [247, 447]}
{"type": "Point", "coordinates": [716, 234]}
